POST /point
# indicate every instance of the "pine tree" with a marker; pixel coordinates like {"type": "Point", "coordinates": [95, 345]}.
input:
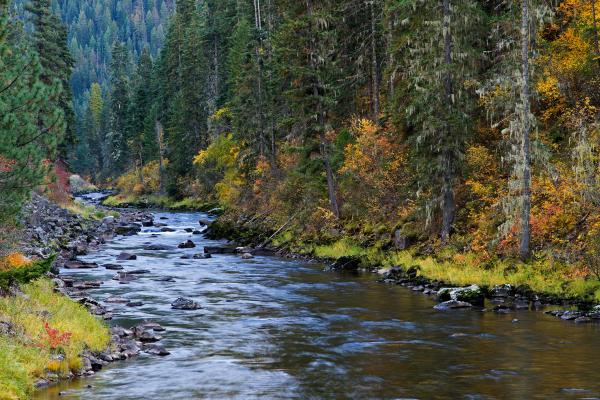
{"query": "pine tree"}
{"type": "Point", "coordinates": [119, 106]}
{"type": "Point", "coordinates": [50, 42]}
{"type": "Point", "coordinates": [305, 51]}
{"type": "Point", "coordinates": [30, 123]}
{"type": "Point", "coordinates": [440, 60]}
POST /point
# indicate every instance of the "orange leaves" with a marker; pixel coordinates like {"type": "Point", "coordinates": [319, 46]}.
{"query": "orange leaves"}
{"type": "Point", "coordinates": [374, 157]}
{"type": "Point", "coordinates": [13, 260]}
{"type": "Point", "coordinates": [6, 165]}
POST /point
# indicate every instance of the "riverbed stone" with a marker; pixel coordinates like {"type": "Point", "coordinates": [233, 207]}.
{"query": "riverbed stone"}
{"type": "Point", "coordinates": [113, 267]}
{"type": "Point", "coordinates": [126, 257]}
{"type": "Point", "coordinates": [78, 264]}
{"type": "Point", "coordinates": [167, 229]}
{"type": "Point", "coordinates": [452, 305]}
{"type": "Point", "coordinates": [185, 304]}
{"type": "Point", "coordinates": [345, 263]}
{"type": "Point", "coordinates": [471, 294]}
{"type": "Point", "coordinates": [502, 291]}
{"type": "Point", "coordinates": [188, 244]}
{"type": "Point", "coordinates": [157, 350]}
{"type": "Point", "coordinates": [247, 256]}
{"type": "Point", "coordinates": [154, 247]}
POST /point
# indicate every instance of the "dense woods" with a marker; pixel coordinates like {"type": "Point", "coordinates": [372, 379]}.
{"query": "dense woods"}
{"type": "Point", "coordinates": [466, 130]}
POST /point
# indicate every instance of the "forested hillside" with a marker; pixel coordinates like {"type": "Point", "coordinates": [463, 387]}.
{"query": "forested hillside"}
{"type": "Point", "coordinates": [466, 124]}
{"type": "Point", "coordinates": [462, 130]}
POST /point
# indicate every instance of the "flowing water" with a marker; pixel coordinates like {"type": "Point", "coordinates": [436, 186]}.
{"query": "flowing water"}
{"type": "Point", "coordinates": [271, 328]}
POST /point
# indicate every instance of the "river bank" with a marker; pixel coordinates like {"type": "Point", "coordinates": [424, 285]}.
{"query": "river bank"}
{"type": "Point", "coordinates": [54, 315]}
{"type": "Point", "coordinates": [507, 287]}
{"type": "Point", "coordinates": [271, 327]}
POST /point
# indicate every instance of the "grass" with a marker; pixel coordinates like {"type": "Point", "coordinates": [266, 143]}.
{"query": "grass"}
{"type": "Point", "coordinates": [164, 202]}
{"type": "Point", "coordinates": [543, 276]}
{"type": "Point", "coordinates": [88, 212]}
{"type": "Point", "coordinates": [26, 351]}
{"type": "Point", "coordinates": [339, 249]}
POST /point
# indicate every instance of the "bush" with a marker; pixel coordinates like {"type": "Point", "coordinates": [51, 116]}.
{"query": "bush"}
{"type": "Point", "coordinates": [21, 272]}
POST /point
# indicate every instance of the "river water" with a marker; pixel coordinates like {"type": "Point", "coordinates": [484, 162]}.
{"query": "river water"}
{"type": "Point", "coordinates": [271, 328]}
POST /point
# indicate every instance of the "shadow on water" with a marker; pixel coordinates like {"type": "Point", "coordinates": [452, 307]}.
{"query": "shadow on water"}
{"type": "Point", "coordinates": [273, 328]}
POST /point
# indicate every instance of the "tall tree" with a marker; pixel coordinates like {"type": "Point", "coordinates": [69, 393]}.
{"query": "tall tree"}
{"type": "Point", "coordinates": [439, 108]}
{"type": "Point", "coordinates": [31, 122]}
{"type": "Point", "coordinates": [50, 42]}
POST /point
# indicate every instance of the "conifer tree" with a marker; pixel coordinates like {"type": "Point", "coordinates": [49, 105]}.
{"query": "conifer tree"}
{"type": "Point", "coordinates": [440, 61]}
{"type": "Point", "coordinates": [29, 125]}
{"type": "Point", "coordinates": [50, 42]}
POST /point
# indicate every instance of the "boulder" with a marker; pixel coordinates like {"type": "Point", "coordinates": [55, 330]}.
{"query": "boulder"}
{"type": "Point", "coordinates": [452, 305]}
{"type": "Point", "coordinates": [470, 294]}
{"type": "Point", "coordinates": [167, 229]}
{"type": "Point", "coordinates": [138, 271]}
{"type": "Point", "coordinates": [204, 222]}
{"type": "Point", "coordinates": [247, 256]}
{"type": "Point", "coordinates": [185, 304]}
{"type": "Point", "coordinates": [127, 230]}
{"type": "Point", "coordinates": [126, 257]}
{"type": "Point", "coordinates": [345, 263]}
{"type": "Point", "coordinates": [186, 245]}
{"type": "Point", "coordinates": [502, 291]}
{"type": "Point", "coordinates": [77, 264]}
{"type": "Point", "coordinates": [113, 267]}
{"type": "Point", "coordinates": [219, 250]}
{"type": "Point", "coordinates": [156, 350]}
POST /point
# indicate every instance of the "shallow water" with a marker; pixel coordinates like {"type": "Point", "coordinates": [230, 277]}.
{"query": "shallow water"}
{"type": "Point", "coordinates": [280, 329]}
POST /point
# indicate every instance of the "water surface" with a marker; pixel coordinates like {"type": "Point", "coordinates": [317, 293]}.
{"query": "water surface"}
{"type": "Point", "coordinates": [281, 329]}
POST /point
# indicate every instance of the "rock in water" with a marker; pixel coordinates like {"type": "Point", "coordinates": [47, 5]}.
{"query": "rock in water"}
{"type": "Point", "coordinates": [126, 257]}
{"type": "Point", "coordinates": [187, 245]}
{"type": "Point", "coordinates": [185, 304]}
{"type": "Point", "coordinates": [452, 305]}
{"type": "Point", "coordinates": [346, 263]}
{"type": "Point", "coordinates": [471, 294]}
{"type": "Point", "coordinates": [158, 247]}
{"type": "Point", "coordinates": [247, 256]}
{"type": "Point", "coordinates": [156, 350]}
{"type": "Point", "coordinates": [113, 267]}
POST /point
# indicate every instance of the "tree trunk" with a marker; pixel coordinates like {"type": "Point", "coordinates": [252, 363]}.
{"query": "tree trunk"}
{"type": "Point", "coordinates": [448, 203]}
{"type": "Point", "coordinates": [161, 164]}
{"type": "Point", "coordinates": [374, 64]}
{"type": "Point", "coordinates": [524, 250]}
{"type": "Point", "coordinates": [595, 29]}
{"type": "Point", "coordinates": [321, 125]}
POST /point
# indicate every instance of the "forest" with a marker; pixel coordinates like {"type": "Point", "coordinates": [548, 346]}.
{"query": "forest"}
{"type": "Point", "coordinates": [465, 132]}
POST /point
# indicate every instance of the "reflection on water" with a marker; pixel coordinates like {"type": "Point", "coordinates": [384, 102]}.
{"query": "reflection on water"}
{"type": "Point", "coordinates": [272, 328]}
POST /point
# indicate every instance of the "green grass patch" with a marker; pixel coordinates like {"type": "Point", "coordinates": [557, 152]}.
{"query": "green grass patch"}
{"type": "Point", "coordinates": [89, 212]}
{"type": "Point", "coordinates": [541, 276]}
{"type": "Point", "coordinates": [339, 249]}
{"type": "Point", "coordinates": [164, 202]}
{"type": "Point", "coordinates": [26, 350]}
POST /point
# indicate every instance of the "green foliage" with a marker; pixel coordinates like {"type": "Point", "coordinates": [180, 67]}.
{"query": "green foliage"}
{"type": "Point", "coordinates": [31, 124]}
{"type": "Point", "coordinates": [26, 273]}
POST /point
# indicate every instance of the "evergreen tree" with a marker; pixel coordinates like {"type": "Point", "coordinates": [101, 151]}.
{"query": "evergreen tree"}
{"type": "Point", "coordinates": [440, 61]}
{"type": "Point", "coordinates": [50, 42]}
{"type": "Point", "coordinates": [119, 107]}
{"type": "Point", "coordinates": [30, 124]}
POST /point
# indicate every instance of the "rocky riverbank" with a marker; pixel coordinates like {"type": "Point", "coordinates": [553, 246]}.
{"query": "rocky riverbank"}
{"type": "Point", "coordinates": [52, 230]}
{"type": "Point", "coordinates": [503, 298]}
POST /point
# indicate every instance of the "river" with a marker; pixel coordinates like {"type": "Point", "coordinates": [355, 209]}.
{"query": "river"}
{"type": "Point", "coordinates": [272, 328]}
